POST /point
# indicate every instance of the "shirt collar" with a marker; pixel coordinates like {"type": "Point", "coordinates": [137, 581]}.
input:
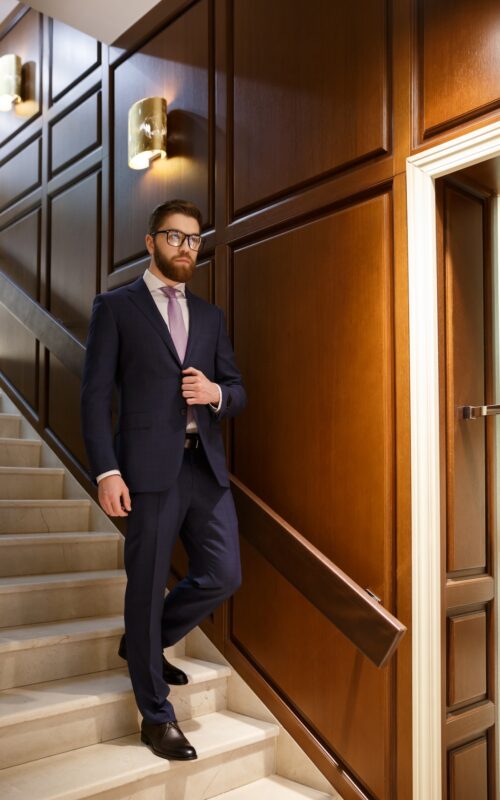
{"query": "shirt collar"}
{"type": "Point", "coordinates": [154, 283]}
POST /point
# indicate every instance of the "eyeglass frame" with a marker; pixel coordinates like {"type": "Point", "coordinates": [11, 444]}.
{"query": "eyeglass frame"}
{"type": "Point", "coordinates": [184, 237]}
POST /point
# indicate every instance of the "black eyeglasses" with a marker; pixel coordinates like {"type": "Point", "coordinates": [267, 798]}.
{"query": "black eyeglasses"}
{"type": "Point", "coordinates": [176, 238]}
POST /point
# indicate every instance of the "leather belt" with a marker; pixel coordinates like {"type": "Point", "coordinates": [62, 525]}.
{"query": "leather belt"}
{"type": "Point", "coordinates": [192, 440]}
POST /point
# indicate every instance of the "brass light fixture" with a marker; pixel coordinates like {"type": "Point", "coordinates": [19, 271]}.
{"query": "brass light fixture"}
{"type": "Point", "coordinates": [10, 81]}
{"type": "Point", "coordinates": [147, 132]}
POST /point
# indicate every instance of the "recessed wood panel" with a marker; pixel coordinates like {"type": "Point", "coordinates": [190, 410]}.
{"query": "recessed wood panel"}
{"type": "Point", "coordinates": [312, 311]}
{"type": "Point", "coordinates": [459, 61]}
{"type": "Point", "coordinates": [64, 409]}
{"type": "Point", "coordinates": [321, 674]}
{"type": "Point", "coordinates": [73, 55]}
{"type": "Point", "coordinates": [20, 252]}
{"type": "Point", "coordinates": [466, 380]}
{"type": "Point", "coordinates": [467, 658]}
{"type": "Point", "coordinates": [25, 40]}
{"type": "Point", "coordinates": [20, 174]}
{"type": "Point", "coordinates": [468, 772]}
{"type": "Point", "coordinates": [76, 133]}
{"type": "Point", "coordinates": [75, 253]}
{"type": "Point", "coordinates": [18, 356]}
{"type": "Point", "coordinates": [174, 65]}
{"type": "Point", "coordinates": [310, 92]}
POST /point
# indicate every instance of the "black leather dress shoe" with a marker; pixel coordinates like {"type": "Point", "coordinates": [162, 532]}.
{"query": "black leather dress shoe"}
{"type": "Point", "coordinates": [171, 674]}
{"type": "Point", "coordinates": [167, 740]}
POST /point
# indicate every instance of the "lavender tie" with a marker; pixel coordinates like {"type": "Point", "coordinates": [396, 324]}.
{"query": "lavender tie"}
{"type": "Point", "coordinates": [178, 330]}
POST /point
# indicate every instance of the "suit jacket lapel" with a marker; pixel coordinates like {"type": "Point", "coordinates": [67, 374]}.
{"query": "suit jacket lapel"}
{"type": "Point", "coordinates": [141, 296]}
{"type": "Point", "coordinates": [194, 322]}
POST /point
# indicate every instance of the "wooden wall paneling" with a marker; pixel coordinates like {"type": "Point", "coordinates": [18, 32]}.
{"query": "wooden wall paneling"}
{"type": "Point", "coordinates": [25, 40]}
{"type": "Point", "coordinates": [301, 453]}
{"type": "Point", "coordinates": [467, 643]}
{"type": "Point", "coordinates": [299, 110]}
{"type": "Point", "coordinates": [20, 251]}
{"type": "Point", "coordinates": [310, 296]}
{"type": "Point", "coordinates": [76, 133]}
{"type": "Point", "coordinates": [458, 62]}
{"type": "Point", "coordinates": [466, 382]}
{"type": "Point", "coordinates": [174, 64]}
{"type": "Point", "coordinates": [19, 358]}
{"type": "Point", "coordinates": [20, 173]}
{"type": "Point", "coordinates": [73, 54]}
{"type": "Point", "coordinates": [63, 410]}
{"type": "Point", "coordinates": [75, 250]}
{"type": "Point", "coordinates": [469, 772]}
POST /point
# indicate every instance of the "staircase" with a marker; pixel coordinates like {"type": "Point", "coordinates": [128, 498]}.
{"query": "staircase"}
{"type": "Point", "coordinates": [68, 719]}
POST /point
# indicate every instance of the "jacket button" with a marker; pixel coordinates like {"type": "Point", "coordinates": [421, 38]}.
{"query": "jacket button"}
{"type": "Point", "coordinates": [182, 411]}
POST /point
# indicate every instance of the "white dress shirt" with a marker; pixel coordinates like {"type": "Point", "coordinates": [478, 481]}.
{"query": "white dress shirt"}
{"type": "Point", "coordinates": [154, 285]}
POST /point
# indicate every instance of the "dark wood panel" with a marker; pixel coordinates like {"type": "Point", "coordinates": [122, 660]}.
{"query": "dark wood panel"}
{"type": "Point", "coordinates": [73, 55]}
{"type": "Point", "coordinates": [467, 658]}
{"type": "Point", "coordinates": [468, 769]}
{"type": "Point", "coordinates": [20, 252]}
{"type": "Point", "coordinates": [75, 253]}
{"type": "Point", "coordinates": [300, 108]}
{"type": "Point", "coordinates": [25, 40]}
{"type": "Point", "coordinates": [313, 666]}
{"type": "Point", "coordinates": [459, 61]}
{"type": "Point", "coordinates": [63, 409]}
{"type": "Point", "coordinates": [174, 65]}
{"type": "Point", "coordinates": [312, 310]}
{"type": "Point", "coordinates": [75, 134]}
{"type": "Point", "coordinates": [466, 382]}
{"type": "Point", "coordinates": [20, 173]}
{"type": "Point", "coordinates": [18, 356]}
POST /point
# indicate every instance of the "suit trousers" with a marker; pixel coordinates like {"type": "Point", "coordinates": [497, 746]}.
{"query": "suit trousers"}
{"type": "Point", "coordinates": [202, 513]}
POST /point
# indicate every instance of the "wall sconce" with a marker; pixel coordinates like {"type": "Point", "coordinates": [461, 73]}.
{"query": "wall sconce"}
{"type": "Point", "coordinates": [147, 132]}
{"type": "Point", "coordinates": [10, 81]}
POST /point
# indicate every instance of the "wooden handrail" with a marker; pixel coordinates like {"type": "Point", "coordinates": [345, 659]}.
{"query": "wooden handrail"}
{"type": "Point", "coordinates": [366, 623]}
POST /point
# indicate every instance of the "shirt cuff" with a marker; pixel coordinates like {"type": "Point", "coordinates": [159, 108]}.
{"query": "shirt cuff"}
{"type": "Point", "coordinates": [216, 408]}
{"type": "Point", "coordinates": [105, 474]}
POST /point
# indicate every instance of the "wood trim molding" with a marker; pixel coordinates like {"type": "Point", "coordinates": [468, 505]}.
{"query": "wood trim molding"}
{"type": "Point", "coordinates": [422, 170]}
{"type": "Point", "coordinates": [366, 623]}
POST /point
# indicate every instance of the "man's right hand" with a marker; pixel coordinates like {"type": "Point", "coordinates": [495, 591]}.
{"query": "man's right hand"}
{"type": "Point", "coordinates": [114, 496]}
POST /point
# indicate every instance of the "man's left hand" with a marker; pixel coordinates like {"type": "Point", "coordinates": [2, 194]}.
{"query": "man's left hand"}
{"type": "Point", "coordinates": [196, 388]}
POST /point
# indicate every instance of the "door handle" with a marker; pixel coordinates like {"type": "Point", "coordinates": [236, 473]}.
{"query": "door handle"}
{"type": "Point", "coordinates": [474, 412]}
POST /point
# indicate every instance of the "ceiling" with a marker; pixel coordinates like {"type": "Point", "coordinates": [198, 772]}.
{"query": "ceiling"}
{"type": "Point", "coordinates": [105, 21]}
{"type": "Point", "coordinates": [6, 8]}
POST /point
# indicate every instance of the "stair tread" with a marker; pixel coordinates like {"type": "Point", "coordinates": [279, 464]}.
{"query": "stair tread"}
{"type": "Point", "coordinates": [58, 536]}
{"type": "Point", "coordinates": [274, 788]}
{"type": "Point", "coordinates": [49, 633]}
{"type": "Point", "coordinates": [40, 700]}
{"type": "Point", "coordinates": [13, 440]}
{"type": "Point", "coordinates": [117, 762]}
{"type": "Point", "coordinates": [31, 470]}
{"type": "Point", "coordinates": [52, 501]}
{"type": "Point", "coordinates": [29, 582]}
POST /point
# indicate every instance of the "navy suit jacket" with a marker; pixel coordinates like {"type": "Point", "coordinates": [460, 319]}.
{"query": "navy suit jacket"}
{"type": "Point", "coordinates": [129, 344]}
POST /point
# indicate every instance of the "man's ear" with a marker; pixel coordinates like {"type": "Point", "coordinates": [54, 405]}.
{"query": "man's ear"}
{"type": "Point", "coordinates": [150, 244]}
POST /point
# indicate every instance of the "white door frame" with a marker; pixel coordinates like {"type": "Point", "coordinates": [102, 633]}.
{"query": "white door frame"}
{"type": "Point", "coordinates": [421, 171]}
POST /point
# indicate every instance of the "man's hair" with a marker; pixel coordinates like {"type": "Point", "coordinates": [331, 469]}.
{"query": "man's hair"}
{"type": "Point", "coordinates": [173, 207]}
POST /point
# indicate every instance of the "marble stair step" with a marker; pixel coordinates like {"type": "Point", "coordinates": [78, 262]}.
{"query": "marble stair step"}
{"type": "Point", "coordinates": [41, 516]}
{"type": "Point", "coordinates": [66, 551]}
{"type": "Point", "coordinates": [31, 483]}
{"type": "Point", "coordinates": [26, 599]}
{"type": "Point", "coordinates": [52, 650]}
{"type": "Point", "coordinates": [10, 425]}
{"type": "Point", "coordinates": [274, 788]}
{"type": "Point", "coordinates": [232, 749]}
{"type": "Point", "coordinates": [43, 719]}
{"type": "Point", "coordinates": [20, 452]}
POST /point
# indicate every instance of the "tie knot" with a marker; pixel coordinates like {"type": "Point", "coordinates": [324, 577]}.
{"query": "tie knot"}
{"type": "Point", "coordinates": [170, 291]}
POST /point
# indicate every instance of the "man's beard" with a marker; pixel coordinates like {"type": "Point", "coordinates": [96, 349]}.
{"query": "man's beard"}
{"type": "Point", "coordinates": [179, 272]}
